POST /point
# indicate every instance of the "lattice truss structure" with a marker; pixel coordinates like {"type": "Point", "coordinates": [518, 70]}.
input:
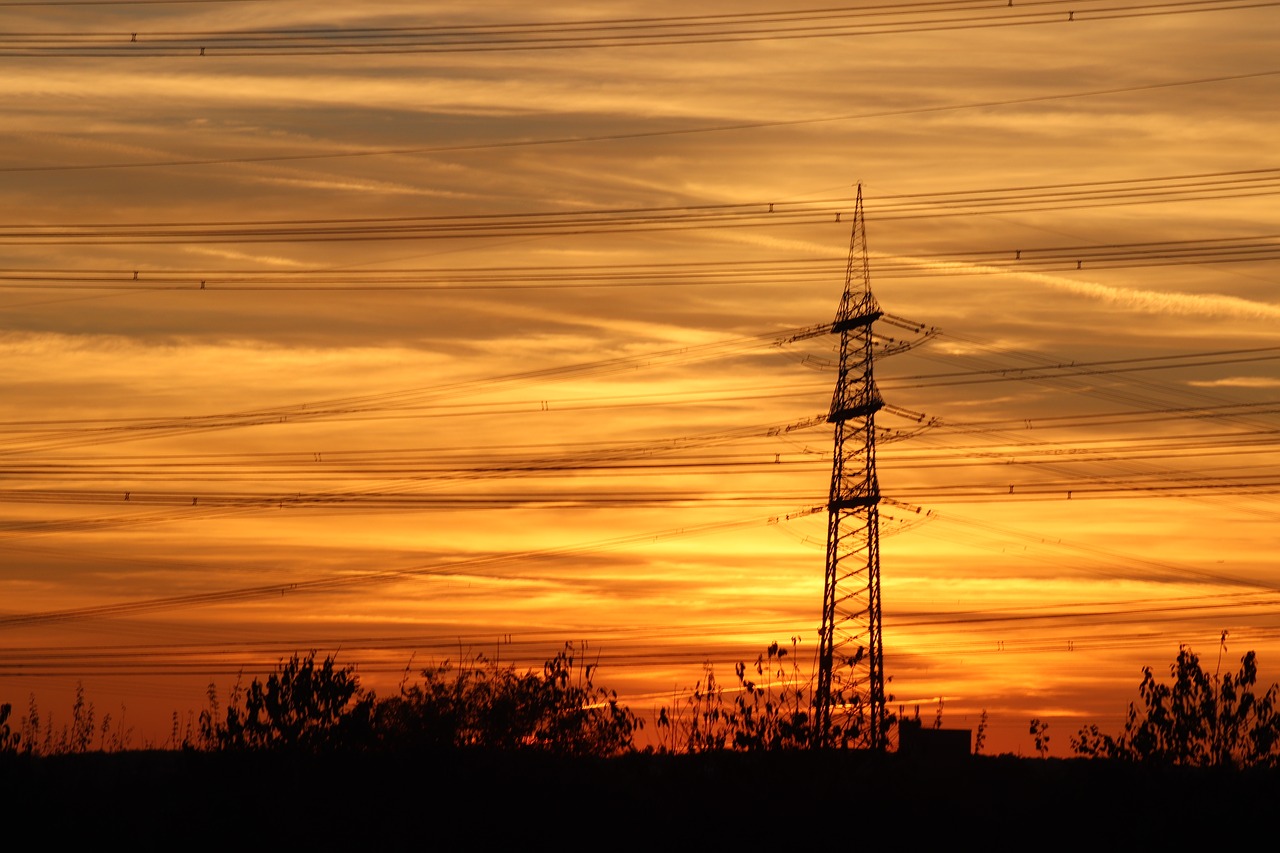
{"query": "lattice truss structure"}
{"type": "Point", "coordinates": [850, 695]}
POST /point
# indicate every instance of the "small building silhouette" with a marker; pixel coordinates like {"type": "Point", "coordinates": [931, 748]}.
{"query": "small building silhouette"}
{"type": "Point", "coordinates": [915, 740]}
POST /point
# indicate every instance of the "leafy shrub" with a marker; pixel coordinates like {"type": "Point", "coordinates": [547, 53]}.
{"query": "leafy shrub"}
{"type": "Point", "coordinates": [1200, 719]}
{"type": "Point", "coordinates": [8, 738]}
{"type": "Point", "coordinates": [1039, 731]}
{"type": "Point", "coordinates": [300, 707]}
{"type": "Point", "coordinates": [481, 704]}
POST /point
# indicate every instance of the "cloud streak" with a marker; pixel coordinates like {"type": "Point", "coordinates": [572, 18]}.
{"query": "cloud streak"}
{"type": "Point", "coordinates": [1209, 305]}
{"type": "Point", "coordinates": [425, 455]}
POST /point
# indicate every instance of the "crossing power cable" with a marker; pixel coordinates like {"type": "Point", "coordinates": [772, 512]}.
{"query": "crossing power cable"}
{"type": "Point", "coordinates": [1226, 250]}
{"type": "Point", "coordinates": [476, 565]}
{"type": "Point", "coordinates": [634, 645]}
{"type": "Point", "coordinates": [637, 135]}
{"type": "Point", "coordinates": [734, 27]}
{"type": "Point", "coordinates": [29, 435]}
{"type": "Point", "coordinates": [1197, 187]}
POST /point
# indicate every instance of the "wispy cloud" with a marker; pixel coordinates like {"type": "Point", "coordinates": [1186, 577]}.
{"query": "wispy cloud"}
{"type": "Point", "coordinates": [233, 255]}
{"type": "Point", "coordinates": [1136, 299]}
{"type": "Point", "coordinates": [1238, 382]}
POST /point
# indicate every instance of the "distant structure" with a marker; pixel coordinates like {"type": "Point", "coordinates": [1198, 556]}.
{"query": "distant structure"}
{"type": "Point", "coordinates": [851, 649]}
{"type": "Point", "coordinates": [915, 740]}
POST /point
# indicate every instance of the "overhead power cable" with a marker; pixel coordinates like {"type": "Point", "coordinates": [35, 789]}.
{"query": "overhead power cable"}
{"type": "Point", "coordinates": [1084, 368]}
{"type": "Point", "coordinates": [641, 134]}
{"type": "Point", "coordinates": [45, 434]}
{"type": "Point", "coordinates": [637, 645]}
{"type": "Point", "coordinates": [1141, 416]}
{"type": "Point", "coordinates": [1182, 188]}
{"type": "Point", "coordinates": [732, 27]}
{"type": "Point", "coordinates": [480, 565]}
{"type": "Point", "coordinates": [40, 4]}
{"type": "Point", "coordinates": [49, 434]}
{"type": "Point", "coordinates": [1262, 248]}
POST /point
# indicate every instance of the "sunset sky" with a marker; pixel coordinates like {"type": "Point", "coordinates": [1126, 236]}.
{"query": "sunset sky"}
{"type": "Point", "coordinates": [412, 331]}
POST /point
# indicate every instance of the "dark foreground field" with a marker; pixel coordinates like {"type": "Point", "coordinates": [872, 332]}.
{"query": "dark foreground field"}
{"type": "Point", "coordinates": [815, 800]}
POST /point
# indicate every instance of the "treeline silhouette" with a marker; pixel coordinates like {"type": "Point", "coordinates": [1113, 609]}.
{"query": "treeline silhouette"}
{"type": "Point", "coordinates": [310, 705]}
{"type": "Point", "coordinates": [313, 706]}
{"type": "Point", "coordinates": [474, 751]}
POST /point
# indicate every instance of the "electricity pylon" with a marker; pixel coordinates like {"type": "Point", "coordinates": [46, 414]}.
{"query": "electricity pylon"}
{"type": "Point", "coordinates": [851, 650]}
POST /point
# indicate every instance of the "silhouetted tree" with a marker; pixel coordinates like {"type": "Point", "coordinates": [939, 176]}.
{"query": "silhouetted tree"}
{"type": "Point", "coordinates": [8, 738]}
{"type": "Point", "coordinates": [481, 704]}
{"type": "Point", "coordinates": [1200, 719]}
{"type": "Point", "coordinates": [1039, 731]}
{"type": "Point", "coordinates": [301, 706]}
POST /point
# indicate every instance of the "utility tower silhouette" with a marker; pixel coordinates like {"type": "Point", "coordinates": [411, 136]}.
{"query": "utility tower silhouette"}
{"type": "Point", "coordinates": [851, 649]}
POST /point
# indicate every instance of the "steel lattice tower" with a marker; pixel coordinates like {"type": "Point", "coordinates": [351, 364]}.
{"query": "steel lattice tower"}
{"type": "Point", "coordinates": [851, 650]}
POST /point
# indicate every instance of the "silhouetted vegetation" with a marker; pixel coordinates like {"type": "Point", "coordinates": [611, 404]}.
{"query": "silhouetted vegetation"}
{"type": "Point", "coordinates": [314, 708]}
{"type": "Point", "coordinates": [1039, 731]}
{"type": "Point", "coordinates": [311, 706]}
{"type": "Point", "coordinates": [300, 707]}
{"type": "Point", "coordinates": [463, 746]}
{"type": "Point", "coordinates": [308, 706]}
{"type": "Point", "coordinates": [771, 710]}
{"type": "Point", "coordinates": [481, 704]}
{"type": "Point", "coordinates": [38, 734]}
{"type": "Point", "coordinates": [9, 739]}
{"type": "Point", "coordinates": [1199, 720]}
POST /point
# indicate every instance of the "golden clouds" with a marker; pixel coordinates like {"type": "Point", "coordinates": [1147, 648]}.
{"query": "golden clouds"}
{"type": "Point", "coordinates": [542, 434]}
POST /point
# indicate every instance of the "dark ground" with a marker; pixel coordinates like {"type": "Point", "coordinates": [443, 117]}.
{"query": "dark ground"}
{"type": "Point", "coordinates": [798, 799]}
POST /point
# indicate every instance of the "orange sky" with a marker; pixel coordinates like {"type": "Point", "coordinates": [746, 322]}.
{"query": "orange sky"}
{"type": "Point", "coordinates": [549, 422]}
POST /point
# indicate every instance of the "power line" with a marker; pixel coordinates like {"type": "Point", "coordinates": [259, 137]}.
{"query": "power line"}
{"type": "Point", "coordinates": [50, 434]}
{"type": "Point", "coordinates": [634, 645]}
{"type": "Point", "coordinates": [682, 217]}
{"type": "Point", "coordinates": [737, 27]}
{"type": "Point", "coordinates": [696, 274]}
{"type": "Point", "coordinates": [637, 135]}
{"type": "Point", "coordinates": [91, 3]}
{"type": "Point", "coordinates": [473, 565]}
